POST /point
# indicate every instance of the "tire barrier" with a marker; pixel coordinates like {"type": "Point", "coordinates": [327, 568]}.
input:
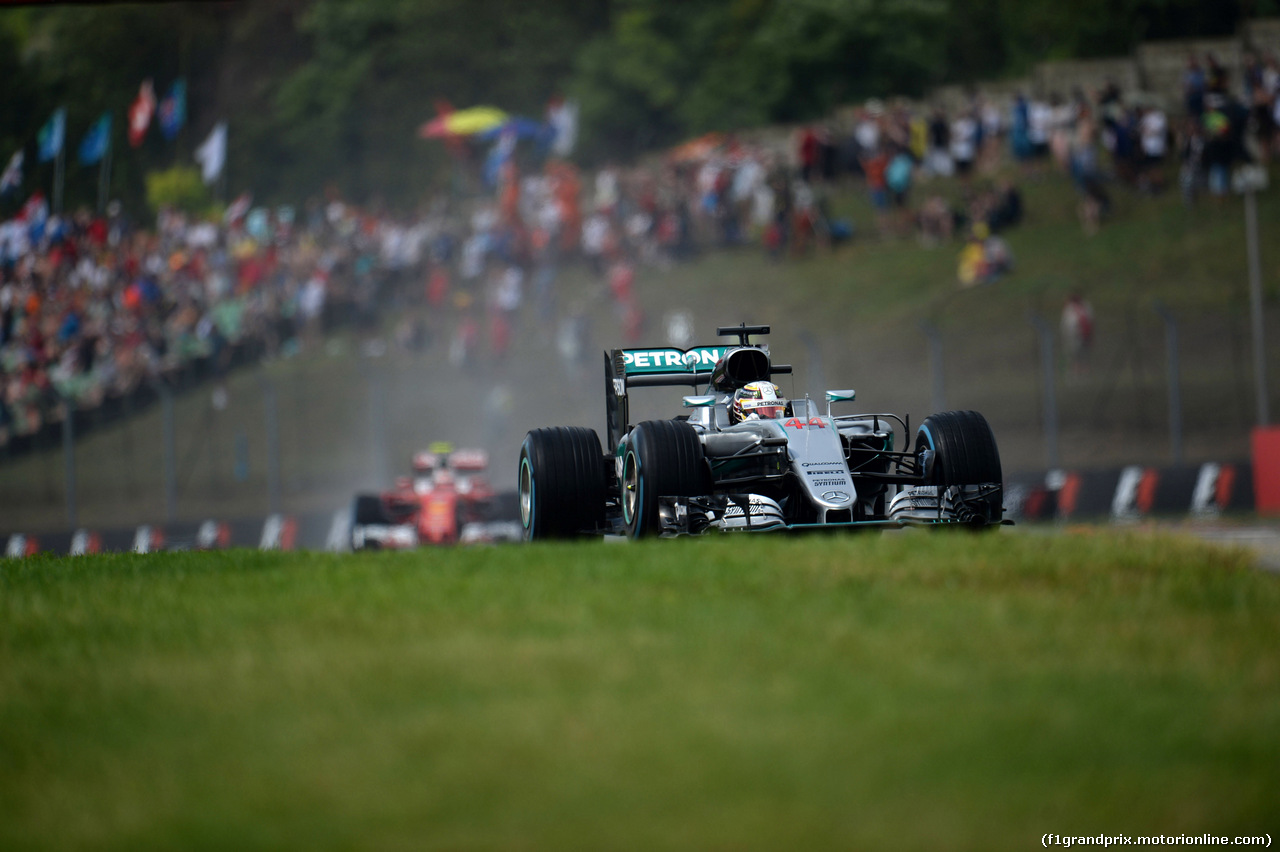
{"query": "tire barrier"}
{"type": "Point", "coordinates": [1119, 495]}
{"type": "Point", "coordinates": [316, 531]}
{"type": "Point", "coordinates": [1131, 493]}
{"type": "Point", "coordinates": [279, 533]}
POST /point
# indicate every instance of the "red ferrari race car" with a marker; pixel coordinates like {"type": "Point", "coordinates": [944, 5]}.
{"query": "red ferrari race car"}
{"type": "Point", "coordinates": [447, 500]}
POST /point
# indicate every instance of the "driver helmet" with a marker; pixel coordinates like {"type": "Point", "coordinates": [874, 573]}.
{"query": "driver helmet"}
{"type": "Point", "coordinates": [756, 401]}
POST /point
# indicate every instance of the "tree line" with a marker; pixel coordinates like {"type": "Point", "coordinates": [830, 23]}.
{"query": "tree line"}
{"type": "Point", "coordinates": [328, 94]}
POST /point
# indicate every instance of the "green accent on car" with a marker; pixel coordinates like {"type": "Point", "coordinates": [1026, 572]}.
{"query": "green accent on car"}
{"type": "Point", "coordinates": [668, 359]}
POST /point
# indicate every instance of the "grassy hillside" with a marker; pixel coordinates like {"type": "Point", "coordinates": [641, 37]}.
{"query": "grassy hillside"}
{"type": "Point", "coordinates": [904, 691]}
{"type": "Point", "coordinates": [850, 317]}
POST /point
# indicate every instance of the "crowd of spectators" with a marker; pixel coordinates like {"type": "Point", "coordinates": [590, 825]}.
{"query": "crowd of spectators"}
{"type": "Point", "coordinates": [95, 311]}
{"type": "Point", "coordinates": [1131, 140]}
{"type": "Point", "coordinates": [93, 308]}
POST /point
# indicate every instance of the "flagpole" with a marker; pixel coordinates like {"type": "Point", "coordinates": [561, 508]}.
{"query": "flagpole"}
{"type": "Point", "coordinates": [57, 179]}
{"type": "Point", "coordinates": [104, 178]}
{"type": "Point", "coordinates": [223, 179]}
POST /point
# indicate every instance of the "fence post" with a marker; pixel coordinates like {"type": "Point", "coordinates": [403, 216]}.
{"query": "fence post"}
{"type": "Point", "coordinates": [378, 421]}
{"type": "Point", "coordinates": [69, 458]}
{"type": "Point", "coordinates": [1049, 398]}
{"type": "Point", "coordinates": [1255, 305]}
{"type": "Point", "coordinates": [170, 453]}
{"type": "Point", "coordinates": [273, 446]}
{"type": "Point", "coordinates": [1175, 382]}
{"type": "Point", "coordinates": [938, 395]}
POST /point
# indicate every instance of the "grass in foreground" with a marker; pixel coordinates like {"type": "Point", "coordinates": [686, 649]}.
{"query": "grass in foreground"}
{"type": "Point", "coordinates": [901, 691]}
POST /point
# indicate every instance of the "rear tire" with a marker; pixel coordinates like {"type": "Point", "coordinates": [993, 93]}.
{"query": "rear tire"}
{"type": "Point", "coordinates": [561, 485]}
{"type": "Point", "coordinates": [664, 458]}
{"type": "Point", "coordinates": [965, 453]}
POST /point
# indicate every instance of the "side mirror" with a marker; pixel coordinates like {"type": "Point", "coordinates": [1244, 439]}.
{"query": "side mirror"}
{"type": "Point", "coordinates": [840, 396]}
{"type": "Point", "coordinates": [699, 401]}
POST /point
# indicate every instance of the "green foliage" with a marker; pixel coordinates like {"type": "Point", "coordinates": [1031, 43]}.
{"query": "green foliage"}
{"type": "Point", "coordinates": [179, 187]}
{"type": "Point", "coordinates": [665, 71]}
{"type": "Point", "coordinates": [331, 92]}
{"type": "Point", "coordinates": [349, 113]}
{"type": "Point", "coordinates": [992, 38]}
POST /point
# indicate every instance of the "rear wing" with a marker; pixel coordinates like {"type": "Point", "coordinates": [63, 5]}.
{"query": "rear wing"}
{"type": "Point", "coordinates": [469, 461]}
{"type": "Point", "coordinates": [667, 366]}
{"type": "Point", "coordinates": [671, 367]}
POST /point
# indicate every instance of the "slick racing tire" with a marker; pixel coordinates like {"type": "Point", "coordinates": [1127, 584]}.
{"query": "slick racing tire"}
{"type": "Point", "coordinates": [965, 453]}
{"type": "Point", "coordinates": [663, 459]}
{"type": "Point", "coordinates": [561, 487]}
{"type": "Point", "coordinates": [366, 510]}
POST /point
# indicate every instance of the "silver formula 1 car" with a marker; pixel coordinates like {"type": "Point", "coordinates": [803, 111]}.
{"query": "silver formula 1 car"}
{"type": "Point", "coordinates": [744, 458]}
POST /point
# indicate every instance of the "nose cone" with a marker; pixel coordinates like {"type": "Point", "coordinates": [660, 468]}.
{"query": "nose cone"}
{"type": "Point", "coordinates": [817, 457]}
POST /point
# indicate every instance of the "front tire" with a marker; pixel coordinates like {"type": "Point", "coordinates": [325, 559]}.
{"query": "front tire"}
{"type": "Point", "coordinates": [561, 486]}
{"type": "Point", "coordinates": [663, 459]}
{"type": "Point", "coordinates": [965, 453]}
{"type": "Point", "coordinates": [366, 510]}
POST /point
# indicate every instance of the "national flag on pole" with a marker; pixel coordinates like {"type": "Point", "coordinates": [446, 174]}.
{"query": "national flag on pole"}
{"type": "Point", "coordinates": [140, 112]}
{"type": "Point", "coordinates": [12, 177]}
{"type": "Point", "coordinates": [212, 153]}
{"type": "Point", "coordinates": [238, 209]}
{"type": "Point", "coordinates": [36, 211]}
{"type": "Point", "coordinates": [173, 109]}
{"type": "Point", "coordinates": [563, 117]}
{"type": "Point", "coordinates": [96, 142]}
{"type": "Point", "coordinates": [52, 135]}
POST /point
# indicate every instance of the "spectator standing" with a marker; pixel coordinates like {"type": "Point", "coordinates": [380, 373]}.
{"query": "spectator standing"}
{"type": "Point", "coordinates": [808, 154]}
{"type": "Point", "coordinates": [992, 130]}
{"type": "Point", "coordinates": [1063, 115]}
{"type": "Point", "coordinates": [1193, 88]}
{"type": "Point", "coordinates": [1219, 146]}
{"type": "Point", "coordinates": [939, 158]}
{"type": "Point", "coordinates": [1192, 169]}
{"type": "Point", "coordinates": [1153, 129]}
{"type": "Point", "coordinates": [595, 239]}
{"type": "Point", "coordinates": [1020, 129]}
{"type": "Point", "coordinates": [505, 296]}
{"type": "Point", "coordinates": [866, 131]}
{"type": "Point", "coordinates": [876, 167]}
{"type": "Point", "coordinates": [778, 233]}
{"type": "Point", "coordinates": [1039, 127]}
{"type": "Point", "coordinates": [1264, 103]}
{"type": "Point", "coordinates": [964, 143]}
{"type": "Point", "coordinates": [898, 180]}
{"type": "Point", "coordinates": [1077, 332]}
{"type": "Point", "coordinates": [1095, 202]}
{"type": "Point", "coordinates": [311, 307]}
